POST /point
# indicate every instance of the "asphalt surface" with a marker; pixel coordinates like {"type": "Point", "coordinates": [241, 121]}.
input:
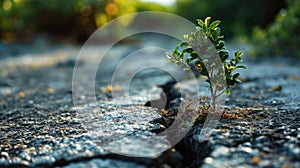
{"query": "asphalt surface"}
{"type": "Point", "coordinates": [41, 127]}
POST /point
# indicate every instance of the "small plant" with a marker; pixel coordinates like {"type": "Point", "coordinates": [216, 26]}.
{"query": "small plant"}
{"type": "Point", "coordinates": [202, 51]}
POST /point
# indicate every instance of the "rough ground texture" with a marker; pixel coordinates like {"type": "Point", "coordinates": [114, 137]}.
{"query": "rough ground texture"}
{"type": "Point", "coordinates": [40, 127]}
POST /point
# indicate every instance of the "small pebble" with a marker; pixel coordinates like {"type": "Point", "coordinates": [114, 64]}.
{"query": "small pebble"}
{"type": "Point", "coordinates": [5, 154]}
{"type": "Point", "coordinates": [8, 91]}
{"type": "Point", "coordinates": [247, 149]}
{"type": "Point", "coordinates": [262, 139]}
{"type": "Point", "coordinates": [31, 150]}
{"type": "Point", "coordinates": [49, 90]}
{"type": "Point", "coordinates": [30, 102]}
{"type": "Point", "coordinates": [255, 160]}
{"type": "Point", "coordinates": [109, 88]}
{"type": "Point", "coordinates": [21, 94]}
{"type": "Point", "coordinates": [208, 160]}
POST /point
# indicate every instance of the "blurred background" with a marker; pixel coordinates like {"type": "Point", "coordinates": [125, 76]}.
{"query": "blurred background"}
{"type": "Point", "coordinates": [273, 24]}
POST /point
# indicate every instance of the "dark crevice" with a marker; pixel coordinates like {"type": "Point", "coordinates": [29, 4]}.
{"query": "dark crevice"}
{"type": "Point", "coordinates": [189, 147]}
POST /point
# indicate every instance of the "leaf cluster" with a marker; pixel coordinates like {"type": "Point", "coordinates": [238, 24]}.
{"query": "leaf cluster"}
{"type": "Point", "coordinates": [196, 53]}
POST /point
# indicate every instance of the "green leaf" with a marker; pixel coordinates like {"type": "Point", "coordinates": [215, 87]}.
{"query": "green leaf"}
{"type": "Point", "coordinates": [214, 24]}
{"type": "Point", "coordinates": [182, 55]}
{"type": "Point", "coordinates": [237, 80]}
{"type": "Point", "coordinates": [224, 57]}
{"type": "Point", "coordinates": [204, 72]}
{"type": "Point", "coordinates": [188, 60]}
{"type": "Point", "coordinates": [200, 22]}
{"type": "Point", "coordinates": [184, 44]}
{"type": "Point", "coordinates": [241, 67]}
{"type": "Point", "coordinates": [220, 37]}
{"type": "Point", "coordinates": [223, 51]}
{"type": "Point", "coordinates": [229, 81]}
{"type": "Point", "coordinates": [176, 53]}
{"type": "Point", "coordinates": [207, 20]}
{"type": "Point", "coordinates": [214, 34]}
{"type": "Point", "coordinates": [189, 50]}
{"type": "Point", "coordinates": [168, 55]}
{"type": "Point", "coordinates": [194, 55]}
{"type": "Point", "coordinates": [227, 91]}
{"type": "Point", "coordinates": [220, 44]}
{"type": "Point", "coordinates": [238, 53]}
{"type": "Point", "coordinates": [224, 54]}
{"type": "Point", "coordinates": [236, 75]}
{"type": "Point", "coordinates": [186, 37]}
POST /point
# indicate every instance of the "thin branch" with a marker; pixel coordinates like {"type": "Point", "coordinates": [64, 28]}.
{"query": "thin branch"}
{"type": "Point", "coordinates": [187, 65]}
{"type": "Point", "coordinates": [220, 93]}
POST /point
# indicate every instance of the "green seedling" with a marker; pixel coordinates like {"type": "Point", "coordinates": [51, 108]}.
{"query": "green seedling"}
{"type": "Point", "coordinates": [201, 51]}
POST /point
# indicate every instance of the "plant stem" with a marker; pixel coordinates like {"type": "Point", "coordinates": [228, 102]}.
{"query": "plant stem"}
{"type": "Point", "coordinates": [220, 93]}
{"type": "Point", "coordinates": [213, 98]}
{"type": "Point", "coordinates": [187, 65]}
